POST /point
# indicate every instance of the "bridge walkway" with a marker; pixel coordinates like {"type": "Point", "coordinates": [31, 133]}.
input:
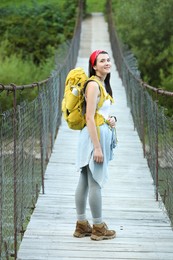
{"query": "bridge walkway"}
{"type": "Point", "coordinates": [129, 206]}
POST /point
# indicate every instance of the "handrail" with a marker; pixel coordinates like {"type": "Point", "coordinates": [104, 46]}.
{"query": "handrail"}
{"type": "Point", "coordinates": [27, 135]}
{"type": "Point", "coordinates": [154, 127]}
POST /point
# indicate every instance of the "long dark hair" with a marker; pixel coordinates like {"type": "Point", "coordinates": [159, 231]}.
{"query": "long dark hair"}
{"type": "Point", "coordinates": [92, 72]}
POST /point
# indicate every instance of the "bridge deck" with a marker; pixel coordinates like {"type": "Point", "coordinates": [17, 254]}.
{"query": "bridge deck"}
{"type": "Point", "coordinates": [129, 206]}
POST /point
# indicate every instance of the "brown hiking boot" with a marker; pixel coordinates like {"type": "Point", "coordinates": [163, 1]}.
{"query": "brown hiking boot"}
{"type": "Point", "coordinates": [101, 231]}
{"type": "Point", "coordinates": [83, 229]}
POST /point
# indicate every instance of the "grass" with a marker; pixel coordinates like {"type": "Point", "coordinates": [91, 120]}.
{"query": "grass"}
{"type": "Point", "coordinates": [17, 3]}
{"type": "Point", "coordinates": [15, 69]}
{"type": "Point", "coordinates": [95, 6]}
{"type": "Point", "coordinates": [92, 5]}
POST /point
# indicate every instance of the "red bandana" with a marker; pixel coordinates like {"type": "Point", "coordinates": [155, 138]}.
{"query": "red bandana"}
{"type": "Point", "coordinates": [94, 56]}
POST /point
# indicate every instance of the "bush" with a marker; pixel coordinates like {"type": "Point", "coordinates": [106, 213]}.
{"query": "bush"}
{"type": "Point", "coordinates": [148, 33]}
{"type": "Point", "coordinates": [146, 26]}
{"type": "Point", "coordinates": [30, 37]}
{"type": "Point", "coordinates": [16, 70]}
{"type": "Point", "coordinates": [36, 32]}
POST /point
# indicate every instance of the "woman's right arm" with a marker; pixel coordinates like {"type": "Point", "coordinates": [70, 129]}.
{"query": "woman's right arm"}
{"type": "Point", "coordinates": [92, 93]}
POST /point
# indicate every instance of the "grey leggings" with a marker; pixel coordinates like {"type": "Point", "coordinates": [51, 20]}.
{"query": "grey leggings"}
{"type": "Point", "coordinates": [87, 185]}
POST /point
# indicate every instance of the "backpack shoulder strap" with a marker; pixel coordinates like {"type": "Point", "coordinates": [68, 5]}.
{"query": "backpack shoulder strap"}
{"type": "Point", "coordinates": [103, 94]}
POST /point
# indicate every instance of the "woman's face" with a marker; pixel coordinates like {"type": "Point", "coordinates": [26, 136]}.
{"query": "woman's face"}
{"type": "Point", "coordinates": [103, 64]}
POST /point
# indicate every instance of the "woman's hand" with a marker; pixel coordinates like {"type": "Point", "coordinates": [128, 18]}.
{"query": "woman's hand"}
{"type": "Point", "coordinates": [112, 121]}
{"type": "Point", "coordinates": [98, 155]}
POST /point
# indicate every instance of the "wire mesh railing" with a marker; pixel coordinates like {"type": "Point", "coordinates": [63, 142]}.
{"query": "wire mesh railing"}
{"type": "Point", "coordinates": [155, 129]}
{"type": "Point", "coordinates": [27, 134]}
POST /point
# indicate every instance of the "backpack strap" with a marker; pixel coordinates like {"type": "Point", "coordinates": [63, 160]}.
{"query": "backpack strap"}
{"type": "Point", "coordinates": [99, 119]}
{"type": "Point", "coordinates": [103, 94]}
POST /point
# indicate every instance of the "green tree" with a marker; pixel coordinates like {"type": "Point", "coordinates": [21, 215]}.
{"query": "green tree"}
{"type": "Point", "coordinates": [146, 26]}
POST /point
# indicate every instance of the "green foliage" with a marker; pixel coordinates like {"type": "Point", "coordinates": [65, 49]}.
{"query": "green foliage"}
{"type": "Point", "coordinates": [146, 26]}
{"type": "Point", "coordinates": [29, 3]}
{"type": "Point", "coordinates": [30, 37]}
{"type": "Point", "coordinates": [95, 6]}
{"type": "Point", "coordinates": [16, 70]}
{"type": "Point", "coordinates": [36, 31]}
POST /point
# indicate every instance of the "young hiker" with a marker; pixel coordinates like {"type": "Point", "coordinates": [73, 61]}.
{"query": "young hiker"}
{"type": "Point", "coordinates": [95, 149]}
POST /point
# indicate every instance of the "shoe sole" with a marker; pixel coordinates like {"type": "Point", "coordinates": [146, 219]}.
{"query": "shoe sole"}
{"type": "Point", "coordinates": [99, 238]}
{"type": "Point", "coordinates": [82, 235]}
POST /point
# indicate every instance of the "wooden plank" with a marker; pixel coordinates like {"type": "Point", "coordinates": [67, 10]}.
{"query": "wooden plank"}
{"type": "Point", "coordinates": [129, 206]}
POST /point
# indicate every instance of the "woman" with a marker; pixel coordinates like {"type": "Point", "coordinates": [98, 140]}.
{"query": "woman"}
{"type": "Point", "coordinates": [96, 143]}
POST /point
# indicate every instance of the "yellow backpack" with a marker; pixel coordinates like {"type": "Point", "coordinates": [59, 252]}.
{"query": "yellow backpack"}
{"type": "Point", "coordinates": [73, 101]}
